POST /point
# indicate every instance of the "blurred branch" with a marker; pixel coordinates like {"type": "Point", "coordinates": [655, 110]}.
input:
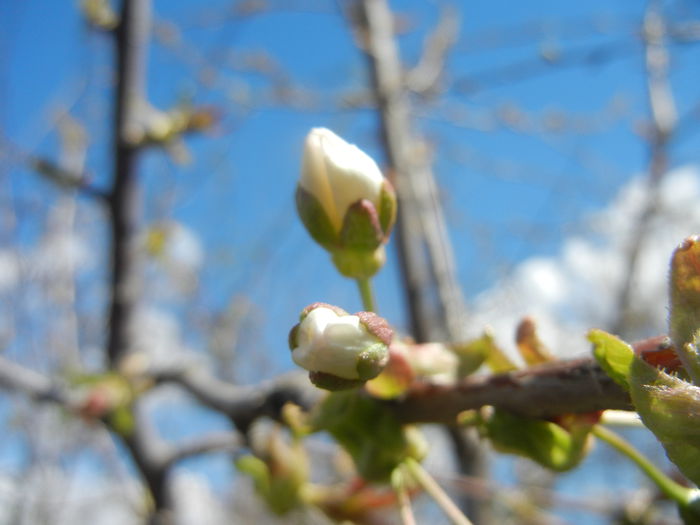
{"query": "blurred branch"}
{"type": "Point", "coordinates": [215, 442]}
{"type": "Point", "coordinates": [556, 388]}
{"type": "Point", "coordinates": [131, 47]}
{"type": "Point", "coordinates": [425, 254]}
{"type": "Point", "coordinates": [65, 178]}
{"type": "Point", "coordinates": [244, 404]}
{"type": "Point", "coordinates": [425, 77]}
{"type": "Point", "coordinates": [52, 171]}
{"type": "Point", "coordinates": [663, 124]}
{"type": "Point", "coordinates": [548, 62]}
{"type": "Point", "coordinates": [16, 378]}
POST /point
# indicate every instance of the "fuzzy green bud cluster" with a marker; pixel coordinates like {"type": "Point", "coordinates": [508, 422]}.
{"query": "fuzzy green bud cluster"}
{"type": "Point", "coordinates": [338, 349]}
{"type": "Point", "coordinates": [345, 203]}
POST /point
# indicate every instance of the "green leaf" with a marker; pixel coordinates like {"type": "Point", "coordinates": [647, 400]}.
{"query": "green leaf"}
{"type": "Point", "coordinates": [670, 408]}
{"type": "Point", "coordinates": [614, 356]}
{"type": "Point", "coordinates": [496, 359]}
{"type": "Point", "coordinates": [473, 354]}
{"type": "Point", "coordinates": [368, 431]}
{"type": "Point", "coordinates": [544, 442]}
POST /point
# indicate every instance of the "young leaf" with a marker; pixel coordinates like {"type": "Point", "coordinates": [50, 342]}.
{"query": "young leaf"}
{"type": "Point", "coordinates": [614, 356]}
{"type": "Point", "coordinates": [544, 442]}
{"type": "Point", "coordinates": [368, 431]}
{"type": "Point", "coordinates": [670, 408]}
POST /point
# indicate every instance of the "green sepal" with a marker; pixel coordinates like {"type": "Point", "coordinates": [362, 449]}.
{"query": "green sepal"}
{"type": "Point", "coordinates": [359, 264]}
{"type": "Point", "coordinates": [333, 383]}
{"type": "Point", "coordinates": [316, 220]}
{"type": "Point", "coordinates": [544, 442]}
{"type": "Point", "coordinates": [670, 408]}
{"type": "Point", "coordinates": [387, 208]}
{"type": "Point", "coordinates": [368, 431]}
{"type": "Point", "coordinates": [372, 361]}
{"type": "Point", "coordinates": [361, 230]}
{"type": "Point", "coordinates": [292, 338]}
{"type": "Point", "coordinates": [614, 356]}
{"type": "Point", "coordinates": [394, 380]}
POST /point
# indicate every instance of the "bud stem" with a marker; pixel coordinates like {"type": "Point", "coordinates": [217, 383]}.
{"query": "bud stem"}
{"type": "Point", "coordinates": [365, 287]}
{"type": "Point", "coordinates": [440, 497]}
{"type": "Point", "coordinates": [678, 493]}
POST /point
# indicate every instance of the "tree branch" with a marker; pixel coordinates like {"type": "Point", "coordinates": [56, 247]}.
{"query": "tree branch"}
{"type": "Point", "coordinates": [434, 298]}
{"type": "Point", "coordinates": [131, 47]}
{"type": "Point", "coordinates": [542, 392]}
{"type": "Point", "coordinates": [424, 78]}
{"type": "Point", "coordinates": [16, 378]}
{"type": "Point", "coordinates": [663, 124]}
{"type": "Point", "coordinates": [244, 404]}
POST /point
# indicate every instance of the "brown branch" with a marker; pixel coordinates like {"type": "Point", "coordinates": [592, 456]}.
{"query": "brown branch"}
{"type": "Point", "coordinates": [543, 392]}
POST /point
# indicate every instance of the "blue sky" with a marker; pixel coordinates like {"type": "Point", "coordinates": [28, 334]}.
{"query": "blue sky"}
{"type": "Point", "coordinates": [509, 193]}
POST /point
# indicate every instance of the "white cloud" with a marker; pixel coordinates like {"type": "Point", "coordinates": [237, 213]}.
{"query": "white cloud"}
{"type": "Point", "coordinates": [156, 334]}
{"type": "Point", "coordinates": [9, 270]}
{"type": "Point", "coordinates": [195, 503]}
{"type": "Point", "coordinates": [577, 290]}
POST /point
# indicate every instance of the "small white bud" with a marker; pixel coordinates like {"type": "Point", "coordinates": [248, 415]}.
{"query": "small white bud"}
{"type": "Point", "coordinates": [338, 174]}
{"type": "Point", "coordinates": [332, 344]}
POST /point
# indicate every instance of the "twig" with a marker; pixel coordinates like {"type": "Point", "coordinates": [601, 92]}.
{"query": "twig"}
{"type": "Point", "coordinates": [424, 78]}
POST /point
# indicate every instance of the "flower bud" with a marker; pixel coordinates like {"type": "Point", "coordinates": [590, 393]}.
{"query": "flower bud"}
{"type": "Point", "coordinates": [345, 203]}
{"type": "Point", "coordinates": [338, 349]}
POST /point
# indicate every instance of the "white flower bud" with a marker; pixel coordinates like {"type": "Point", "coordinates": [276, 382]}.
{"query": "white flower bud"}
{"type": "Point", "coordinates": [345, 203]}
{"type": "Point", "coordinates": [338, 174]}
{"type": "Point", "coordinates": [340, 350]}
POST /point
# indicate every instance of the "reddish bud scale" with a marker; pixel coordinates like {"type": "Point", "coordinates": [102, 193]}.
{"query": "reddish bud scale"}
{"type": "Point", "coordinates": [658, 352]}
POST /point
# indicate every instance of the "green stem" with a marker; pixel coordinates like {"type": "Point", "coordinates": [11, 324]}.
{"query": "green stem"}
{"type": "Point", "coordinates": [678, 493]}
{"type": "Point", "coordinates": [398, 482]}
{"type": "Point", "coordinates": [365, 287]}
{"type": "Point", "coordinates": [435, 491]}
